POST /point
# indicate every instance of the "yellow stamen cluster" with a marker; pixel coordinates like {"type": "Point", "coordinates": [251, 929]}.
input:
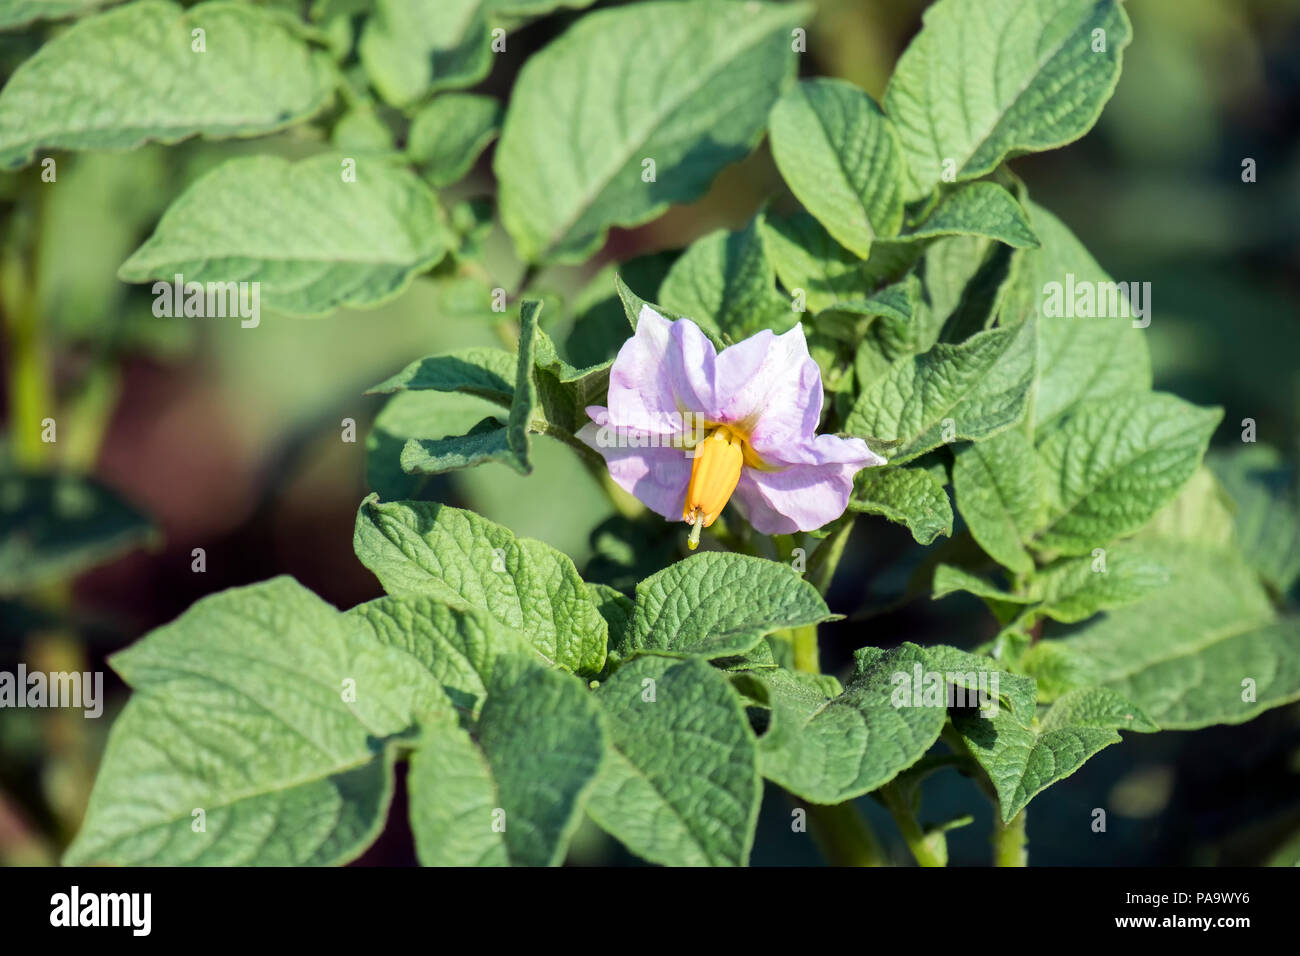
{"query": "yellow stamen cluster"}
{"type": "Point", "coordinates": [714, 474]}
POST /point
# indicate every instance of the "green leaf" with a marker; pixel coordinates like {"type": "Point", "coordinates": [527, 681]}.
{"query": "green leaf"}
{"type": "Point", "coordinates": [456, 650]}
{"type": "Point", "coordinates": [980, 209]}
{"type": "Point", "coordinates": [1264, 488]}
{"type": "Point", "coordinates": [1113, 463]}
{"type": "Point", "coordinates": [1201, 514]}
{"type": "Point", "coordinates": [448, 135]}
{"type": "Point", "coordinates": [831, 749]}
{"type": "Point", "coordinates": [1079, 358]}
{"type": "Point", "coordinates": [908, 496]}
{"type": "Point", "coordinates": [313, 241]}
{"type": "Point", "coordinates": [463, 559]}
{"type": "Point", "coordinates": [593, 105]}
{"type": "Point", "coordinates": [718, 605]}
{"type": "Point", "coordinates": [511, 794]}
{"type": "Point", "coordinates": [679, 785]}
{"type": "Point", "coordinates": [633, 304]}
{"type": "Point", "coordinates": [1001, 495]}
{"type": "Point", "coordinates": [409, 415]}
{"type": "Point", "coordinates": [1022, 761]}
{"type": "Point", "coordinates": [412, 47]}
{"type": "Point", "coordinates": [361, 129]}
{"type": "Point", "coordinates": [725, 283]}
{"type": "Point", "coordinates": [986, 80]}
{"type": "Point", "coordinates": [487, 441]}
{"type": "Point", "coordinates": [949, 579]}
{"type": "Point", "coordinates": [285, 769]}
{"type": "Point", "coordinates": [17, 13]}
{"type": "Point", "coordinates": [52, 527]}
{"type": "Point", "coordinates": [128, 76]}
{"type": "Point", "coordinates": [975, 673]}
{"type": "Point", "coordinates": [483, 372]}
{"type": "Point", "coordinates": [955, 392]}
{"type": "Point", "coordinates": [1206, 649]}
{"type": "Point", "coordinates": [1074, 589]}
{"type": "Point", "coordinates": [490, 440]}
{"type": "Point", "coordinates": [839, 154]}
{"type": "Point", "coordinates": [806, 258]}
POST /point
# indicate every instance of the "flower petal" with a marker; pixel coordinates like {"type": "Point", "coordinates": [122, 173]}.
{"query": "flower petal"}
{"type": "Point", "coordinates": [807, 494]}
{"type": "Point", "coordinates": [663, 372]}
{"type": "Point", "coordinates": [771, 385]}
{"type": "Point", "coordinates": [657, 475]}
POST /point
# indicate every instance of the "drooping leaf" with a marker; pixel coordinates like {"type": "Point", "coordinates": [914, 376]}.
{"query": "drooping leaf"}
{"type": "Point", "coordinates": [908, 496]}
{"type": "Point", "coordinates": [594, 106]}
{"type": "Point", "coordinates": [127, 76]}
{"type": "Point", "coordinates": [679, 785]}
{"type": "Point", "coordinates": [310, 239]}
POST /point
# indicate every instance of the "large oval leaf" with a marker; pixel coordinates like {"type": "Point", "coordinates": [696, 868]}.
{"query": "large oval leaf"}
{"type": "Point", "coordinates": [685, 85]}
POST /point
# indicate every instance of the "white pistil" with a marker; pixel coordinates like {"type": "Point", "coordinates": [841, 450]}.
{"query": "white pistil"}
{"type": "Point", "coordinates": [693, 541]}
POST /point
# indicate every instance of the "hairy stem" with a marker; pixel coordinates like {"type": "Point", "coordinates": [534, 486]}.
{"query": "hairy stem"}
{"type": "Point", "coordinates": [923, 850]}
{"type": "Point", "coordinates": [1010, 841]}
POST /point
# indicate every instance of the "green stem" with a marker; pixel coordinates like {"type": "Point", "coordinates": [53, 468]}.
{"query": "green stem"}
{"type": "Point", "coordinates": [1010, 841]}
{"type": "Point", "coordinates": [925, 853]}
{"type": "Point", "coordinates": [806, 656]}
{"type": "Point", "coordinates": [844, 836]}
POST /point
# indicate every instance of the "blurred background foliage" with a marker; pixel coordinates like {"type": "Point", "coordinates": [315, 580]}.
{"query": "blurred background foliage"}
{"type": "Point", "coordinates": [196, 423]}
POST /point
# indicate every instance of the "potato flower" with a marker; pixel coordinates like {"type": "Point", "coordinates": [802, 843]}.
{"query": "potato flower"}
{"type": "Point", "coordinates": [688, 427]}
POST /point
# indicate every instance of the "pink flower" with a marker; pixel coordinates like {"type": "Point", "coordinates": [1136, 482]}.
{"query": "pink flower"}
{"type": "Point", "coordinates": [687, 427]}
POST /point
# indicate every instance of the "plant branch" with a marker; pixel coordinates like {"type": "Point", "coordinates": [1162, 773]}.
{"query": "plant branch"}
{"type": "Point", "coordinates": [925, 849]}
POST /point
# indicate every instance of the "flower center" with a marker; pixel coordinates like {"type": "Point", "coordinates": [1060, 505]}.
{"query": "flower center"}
{"type": "Point", "coordinates": [714, 474]}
